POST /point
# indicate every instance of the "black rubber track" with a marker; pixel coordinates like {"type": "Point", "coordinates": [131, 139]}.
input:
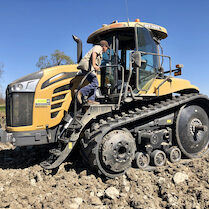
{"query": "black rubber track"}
{"type": "Point", "coordinates": [94, 135]}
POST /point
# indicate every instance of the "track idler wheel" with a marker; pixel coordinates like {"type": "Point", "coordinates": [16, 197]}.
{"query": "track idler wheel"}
{"type": "Point", "coordinates": [158, 158]}
{"type": "Point", "coordinates": [192, 131]}
{"type": "Point", "coordinates": [110, 153]}
{"type": "Point", "coordinates": [174, 154]}
{"type": "Point", "coordinates": [142, 160]}
{"type": "Point", "coordinates": [117, 151]}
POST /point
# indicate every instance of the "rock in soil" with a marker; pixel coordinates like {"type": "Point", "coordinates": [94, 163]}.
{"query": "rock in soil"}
{"type": "Point", "coordinates": [112, 192]}
{"type": "Point", "coordinates": [24, 184]}
{"type": "Point", "coordinates": [180, 177]}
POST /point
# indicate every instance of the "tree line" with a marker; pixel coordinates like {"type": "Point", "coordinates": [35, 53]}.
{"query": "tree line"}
{"type": "Point", "coordinates": [56, 58]}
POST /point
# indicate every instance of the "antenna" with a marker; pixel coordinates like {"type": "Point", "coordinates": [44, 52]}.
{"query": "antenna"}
{"type": "Point", "coordinates": [126, 4]}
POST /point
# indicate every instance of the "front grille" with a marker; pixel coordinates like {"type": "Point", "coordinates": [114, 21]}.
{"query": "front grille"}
{"type": "Point", "coordinates": [63, 88]}
{"type": "Point", "coordinates": [58, 105]}
{"type": "Point", "coordinates": [62, 96]}
{"type": "Point", "coordinates": [19, 109]}
{"type": "Point", "coordinates": [54, 114]}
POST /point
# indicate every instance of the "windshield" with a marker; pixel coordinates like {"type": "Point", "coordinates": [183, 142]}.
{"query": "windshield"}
{"type": "Point", "coordinates": [150, 64]}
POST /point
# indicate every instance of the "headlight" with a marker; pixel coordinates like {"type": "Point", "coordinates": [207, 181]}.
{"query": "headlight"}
{"type": "Point", "coordinates": [26, 84]}
{"type": "Point", "coordinates": [17, 87]}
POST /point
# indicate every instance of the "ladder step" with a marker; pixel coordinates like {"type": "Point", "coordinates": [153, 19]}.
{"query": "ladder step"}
{"type": "Point", "coordinates": [44, 164]}
{"type": "Point", "coordinates": [55, 152]}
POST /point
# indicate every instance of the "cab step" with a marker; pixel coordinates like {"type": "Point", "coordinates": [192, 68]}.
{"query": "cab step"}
{"type": "Point", "coordinates": [55, 152]}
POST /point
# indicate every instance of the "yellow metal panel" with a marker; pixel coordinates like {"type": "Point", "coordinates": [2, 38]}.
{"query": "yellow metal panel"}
{"type": "Point", "coordinates": [42, 112]}
{"type": "Point", "coordinates": [175, 85]}
{"type": "Point", "coordinates": [58, 101]}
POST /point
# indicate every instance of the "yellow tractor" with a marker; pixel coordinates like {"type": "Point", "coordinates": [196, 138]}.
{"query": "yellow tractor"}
{"type": "Point", "coordinates": [145, 114]}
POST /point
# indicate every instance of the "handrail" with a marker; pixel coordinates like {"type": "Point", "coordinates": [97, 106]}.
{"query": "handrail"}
{"type": "Point", "coordinates": [122, 85]}
{"type": "Point", "coordinates": [161, 55]}
{"type": "Point", "coordinates": [158, 88]}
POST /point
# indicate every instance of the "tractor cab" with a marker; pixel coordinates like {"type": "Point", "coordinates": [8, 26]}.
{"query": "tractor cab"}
{"type": "Point", "coordinates": [133, 60]}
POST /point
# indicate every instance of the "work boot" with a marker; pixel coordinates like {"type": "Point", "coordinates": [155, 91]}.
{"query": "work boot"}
{"type": "Point", "coordinates": [92, 102]}
{"type": "Point", "coordinates": [79, 97]}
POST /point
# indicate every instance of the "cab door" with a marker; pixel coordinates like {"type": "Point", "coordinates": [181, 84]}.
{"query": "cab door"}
{"type": "Point", "coordinates": [150, 62]}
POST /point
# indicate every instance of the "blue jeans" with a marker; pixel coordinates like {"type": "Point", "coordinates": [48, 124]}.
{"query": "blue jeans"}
{"type": "Point", "coordinates": [90, 89]}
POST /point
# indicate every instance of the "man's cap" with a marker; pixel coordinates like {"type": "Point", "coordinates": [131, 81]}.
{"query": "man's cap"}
{"type": "Point", "coordinates": [104, 43]}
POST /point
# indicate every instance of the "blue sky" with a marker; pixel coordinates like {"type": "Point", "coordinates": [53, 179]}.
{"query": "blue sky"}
{"type": "Point", "coordinates": [31, 28]}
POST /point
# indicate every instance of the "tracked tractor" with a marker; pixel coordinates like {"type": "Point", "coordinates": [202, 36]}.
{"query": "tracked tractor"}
{"type": "Point", "coordinates": [146, 115]}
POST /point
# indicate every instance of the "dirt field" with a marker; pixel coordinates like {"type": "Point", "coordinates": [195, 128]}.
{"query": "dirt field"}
{"type": "Point", "coordinates": [24, 184]}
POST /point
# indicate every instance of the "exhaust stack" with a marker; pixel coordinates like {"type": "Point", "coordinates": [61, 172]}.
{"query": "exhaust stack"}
{"type": "Point", "coordinates": [79, 48]}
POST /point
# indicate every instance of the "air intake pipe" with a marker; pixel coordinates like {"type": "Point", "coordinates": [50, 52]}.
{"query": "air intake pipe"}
{"type": "Point", "coordinates": [79, 48]}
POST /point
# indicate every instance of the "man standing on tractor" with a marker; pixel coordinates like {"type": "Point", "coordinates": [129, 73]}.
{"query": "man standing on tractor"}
{"type": "Point", "coordinates": [91, 62]}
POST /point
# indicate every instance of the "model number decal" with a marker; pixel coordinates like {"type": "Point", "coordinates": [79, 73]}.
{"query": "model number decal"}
{"type": "Point", "coordinates": [42, 102]}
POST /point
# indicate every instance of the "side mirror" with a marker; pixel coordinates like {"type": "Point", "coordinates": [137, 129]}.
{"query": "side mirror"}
{"type": "Point", "coordinates": [136, 59]}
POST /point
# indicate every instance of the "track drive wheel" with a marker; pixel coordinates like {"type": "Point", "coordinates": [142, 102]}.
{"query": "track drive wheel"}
{"type": "Point", "coordinates": [111, 154]}
{"type": "Point", "coordinates": [192, 131]}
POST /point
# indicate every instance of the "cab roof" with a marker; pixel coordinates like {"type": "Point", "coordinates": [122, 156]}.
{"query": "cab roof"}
{"type": "Point", "coordinates": [158, 31]}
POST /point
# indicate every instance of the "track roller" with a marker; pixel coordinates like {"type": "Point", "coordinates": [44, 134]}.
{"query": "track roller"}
{"type": "Point", "coordinates": [142, 160]}
{"type": "Point", "coordinates": [174, 154]}
{"type": "Point", "coordinates": [158, 158]}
